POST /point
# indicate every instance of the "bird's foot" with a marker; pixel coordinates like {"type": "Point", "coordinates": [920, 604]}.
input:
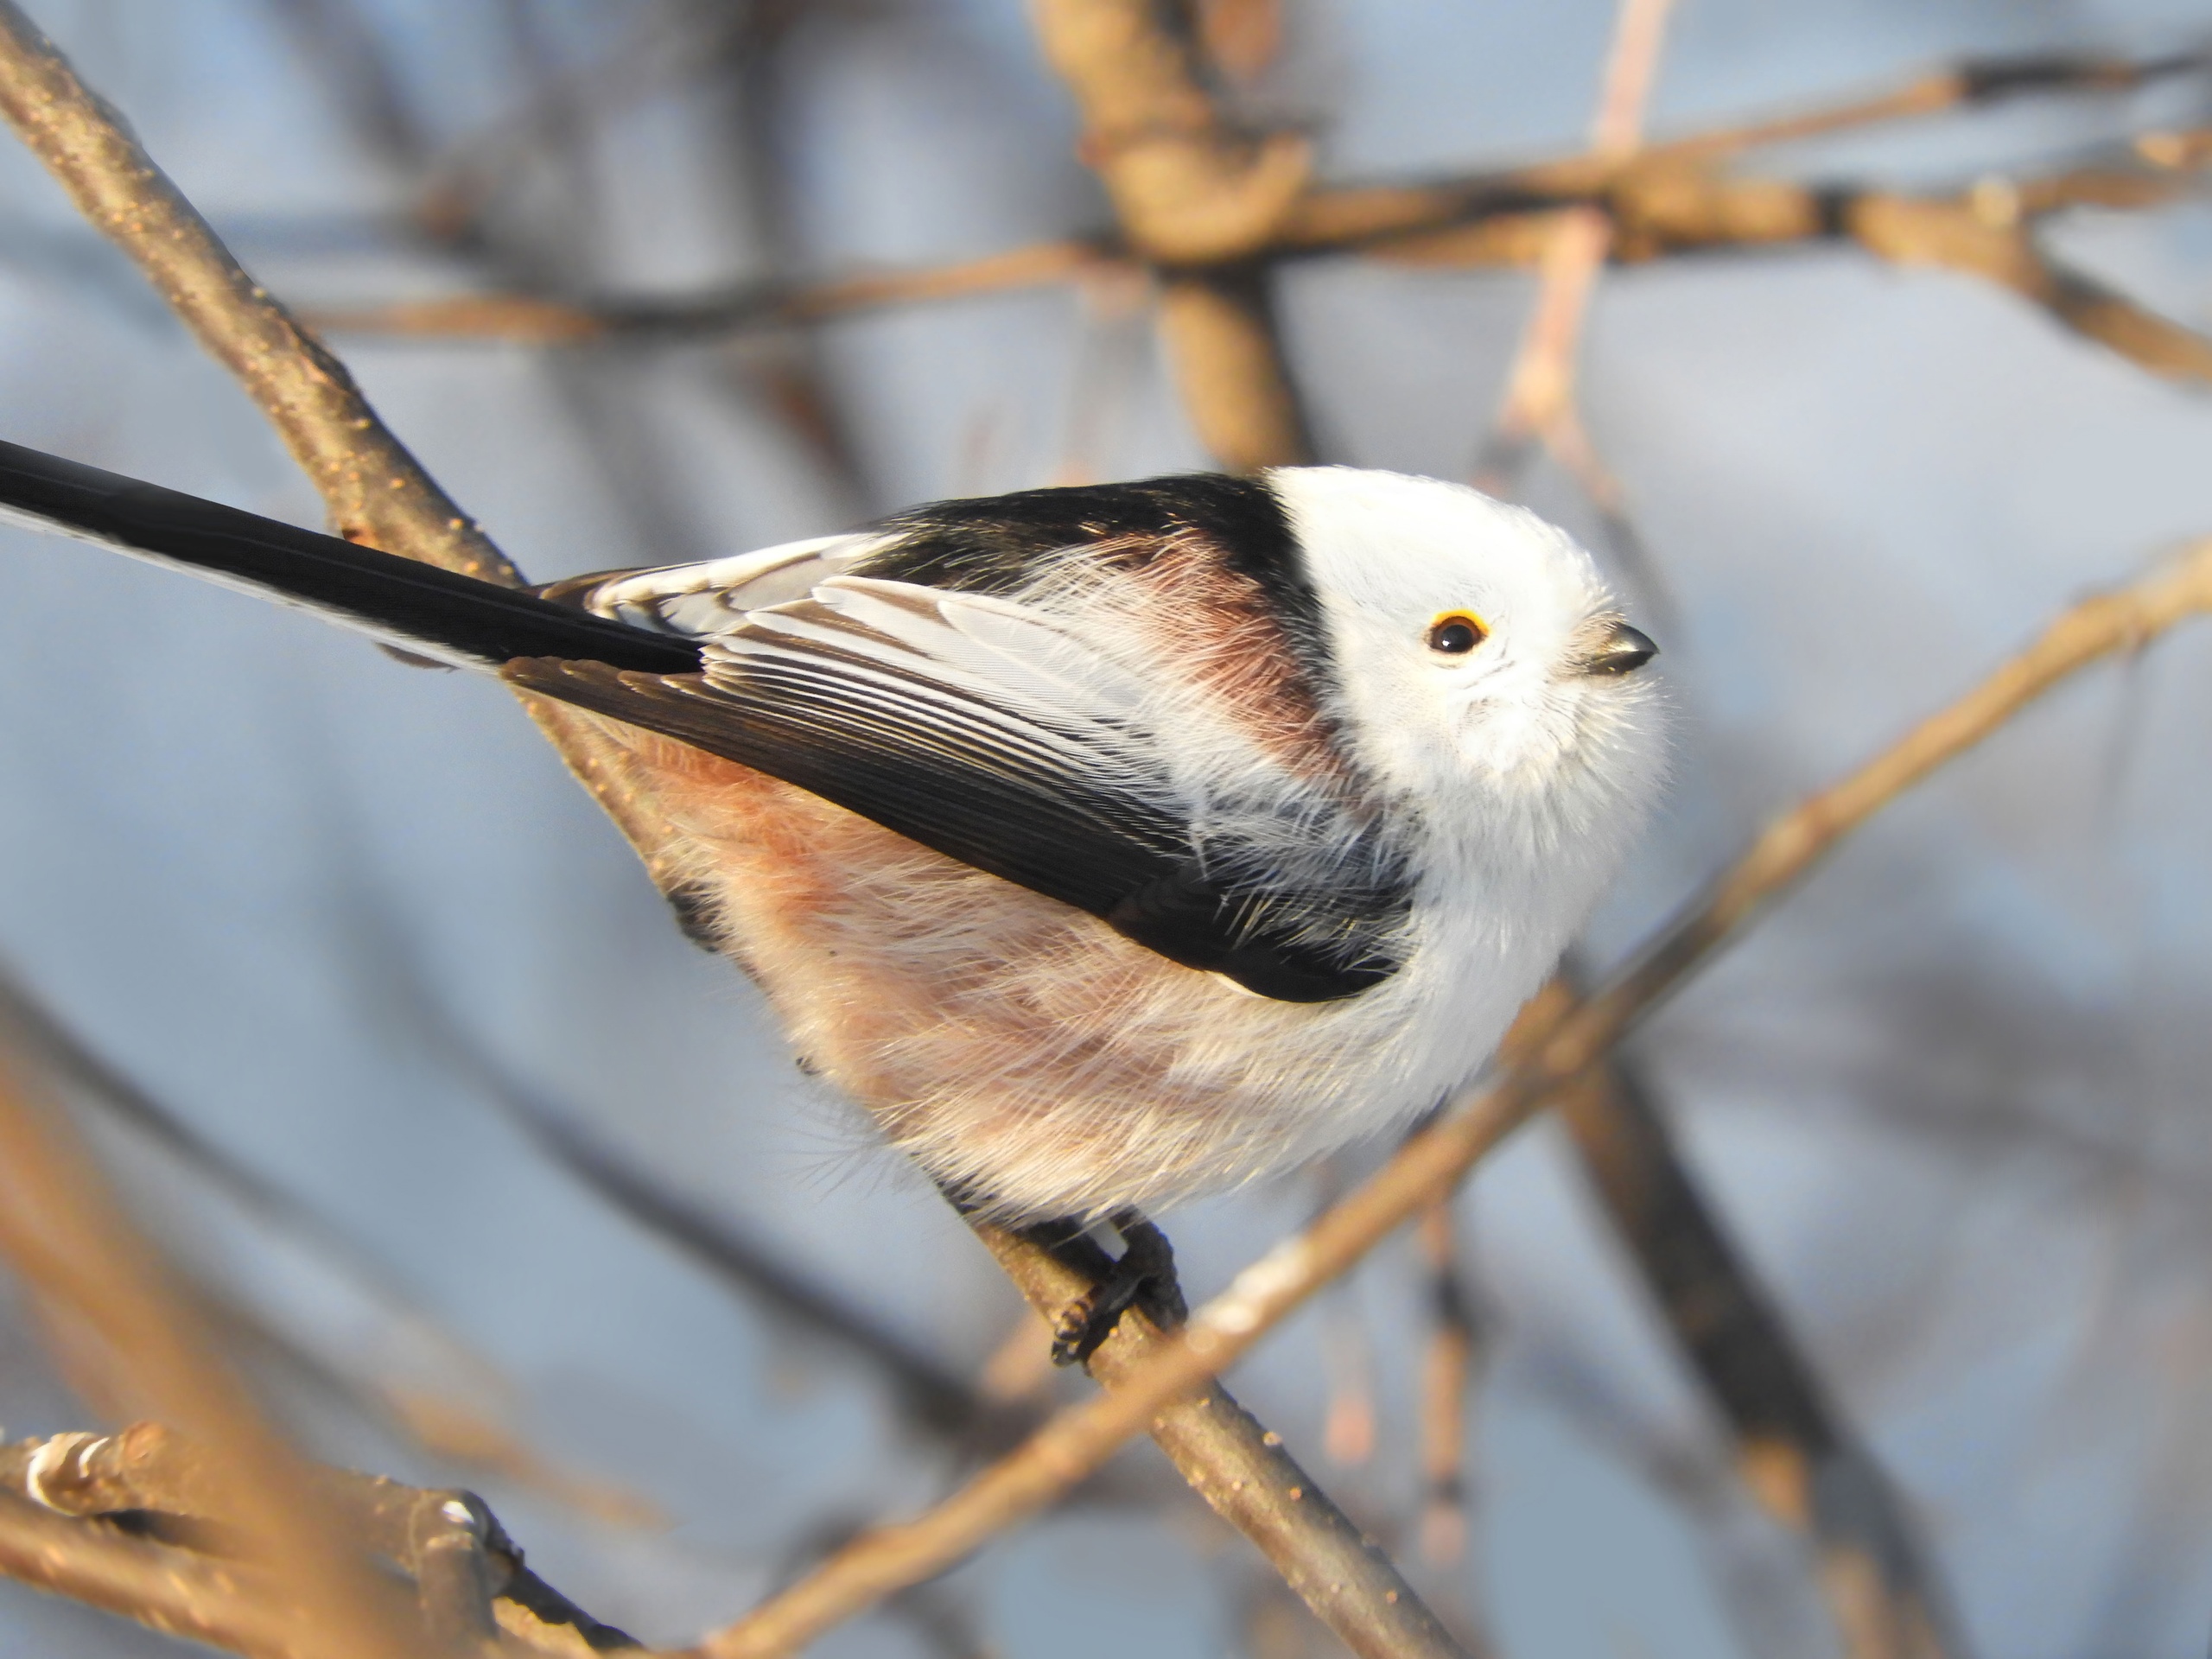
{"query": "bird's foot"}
{"type": "Point", "coordinates": [1142, 1275]}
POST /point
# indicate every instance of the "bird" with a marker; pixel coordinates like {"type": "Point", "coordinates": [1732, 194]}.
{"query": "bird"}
{"type": "Point", "coordinates": [1111, 845]}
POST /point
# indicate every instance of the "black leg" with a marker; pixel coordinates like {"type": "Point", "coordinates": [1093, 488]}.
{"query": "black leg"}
{"type": "Point", "coordinates": [1142, 1275]}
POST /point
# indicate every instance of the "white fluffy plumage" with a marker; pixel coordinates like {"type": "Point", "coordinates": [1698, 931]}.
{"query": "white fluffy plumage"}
{"type": "Point", "coordinates": [1028, 1054]}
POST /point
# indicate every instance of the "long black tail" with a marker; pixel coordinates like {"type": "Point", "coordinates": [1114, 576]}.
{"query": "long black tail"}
{"type": "Point", "coordinates": [453, 618]}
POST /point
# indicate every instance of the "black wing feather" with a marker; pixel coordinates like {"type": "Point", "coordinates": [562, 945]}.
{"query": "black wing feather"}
{"type": "Point", "coordinates": [957, 780]}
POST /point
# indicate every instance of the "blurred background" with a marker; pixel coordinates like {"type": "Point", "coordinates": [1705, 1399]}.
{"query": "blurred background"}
{"type": "Point", "coordinates": [497, 1181]}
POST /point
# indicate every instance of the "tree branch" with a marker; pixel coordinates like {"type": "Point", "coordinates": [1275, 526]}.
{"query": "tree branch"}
{"type": "Point", "coordinates": [1539, 399]}
{"type": "Point", "coordinates": [222, 1604]}
{"type": "Point", "coordinates": [140, 1524]}
{"type": "Point", "coordinates": [1198, 199]}
{"type": "Point", "coordinates": [1666, 201]}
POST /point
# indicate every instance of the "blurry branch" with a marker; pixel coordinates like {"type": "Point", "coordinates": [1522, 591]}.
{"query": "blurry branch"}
{"type": "Point", "coordinates": [141, 1524]}
{"type": "Point", "coordinates": [339, 438]}
{"type": "Point", "coordinates": [1970, 84]}
{"type": "Point", "coordinates": [441, 1424]}
{"type": "Point", "coordinates": [2179, 151]}
{"type": "Point", "coordinates": [342, 46]}
{"type": "Point", "coordinates": [133, 1327]}
{"type": "Point", "coordinates": [1658, 212]}
{"type": "Point", "coordinates": [1663, 201]}
{"type": "Point", "coordinates": [547, 322]}
{"type": "Point", "coordinates": [217, 1603]}
{"type": "Point", "coordinates": [1348, 1366]}
{"type": "Point", "coordinates": [1239, 1468]}
{"type": "Point", "coordinates": [1989, 233]}
{"type": "Point", "coordinates": [665, 45]}
{"type": "Point", "coordinates": [1370, 216]}
{"type": "Point", "coordinates": [1189, 187]}
{"type": "Point", "coordinates": [790, 369]}
{"type": "Point", "coordinates": [1540, 403]}
{"type": "Point", "coordinates": [1447, 1376]}
{"type": "Point", "coordinates": [1793, 1451]}
{"type": "Point", "coordinates": [1243, 37]}
{"type": "Point", "coordinates": [1557, 1049]}
{"type": "Point", "coordinates": [1197, 198]}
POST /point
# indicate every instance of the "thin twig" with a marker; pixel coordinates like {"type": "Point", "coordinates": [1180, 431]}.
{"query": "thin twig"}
{"type": "Point", "coordinates": [1540, 386]}
{"type": "Point", "coordinates": [1660, 213]}
{"type": "Point", "coordinates": [1972, 83]}
{"type": "Point", "coordinates": [1348, 1425]}
{"type": "Point", "coordinates": [518, 317]}
{"type": "Point", "coordinates": [1372, 216]}
{"type": "Point", "coordinates": [1075, 1443]}
{"type": "Point", "coordinates": [1540, 404]}
{"type": "Point", "coordinates": [1671, 198]}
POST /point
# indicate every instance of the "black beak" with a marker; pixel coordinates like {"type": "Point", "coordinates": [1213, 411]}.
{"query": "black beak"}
{"type": "Point", "coordinates": [1625, 650]}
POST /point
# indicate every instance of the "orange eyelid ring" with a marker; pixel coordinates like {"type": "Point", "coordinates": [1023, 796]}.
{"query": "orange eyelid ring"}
{"type": "Point", "coordinates": [1457, 633]}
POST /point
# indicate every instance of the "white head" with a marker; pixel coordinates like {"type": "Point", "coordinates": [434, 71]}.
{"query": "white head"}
{"type": "Point", "coordinates": [1484, 672]}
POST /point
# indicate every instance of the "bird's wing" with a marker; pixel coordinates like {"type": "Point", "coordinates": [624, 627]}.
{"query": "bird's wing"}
{"type": "Point", "coordinates": [985, 729]}
{"type": "Point", "coordinates": [700, 600]}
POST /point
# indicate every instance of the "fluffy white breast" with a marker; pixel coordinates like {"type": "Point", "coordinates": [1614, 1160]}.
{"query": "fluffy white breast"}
{"type": "Point", "coordinates": [1526, 775]}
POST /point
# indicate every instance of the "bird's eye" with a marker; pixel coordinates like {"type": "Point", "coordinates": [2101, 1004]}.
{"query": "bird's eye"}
{"type": "Point", "coordinates": [1457, 633]}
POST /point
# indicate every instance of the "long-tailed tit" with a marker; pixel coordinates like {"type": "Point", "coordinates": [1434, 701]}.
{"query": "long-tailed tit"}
{"type": "Point", "coordinates": [1109, 845]}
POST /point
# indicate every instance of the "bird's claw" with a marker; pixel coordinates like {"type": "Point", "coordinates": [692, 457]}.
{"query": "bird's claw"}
{"type": "Point", "coordinates": [1143, 1276]}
